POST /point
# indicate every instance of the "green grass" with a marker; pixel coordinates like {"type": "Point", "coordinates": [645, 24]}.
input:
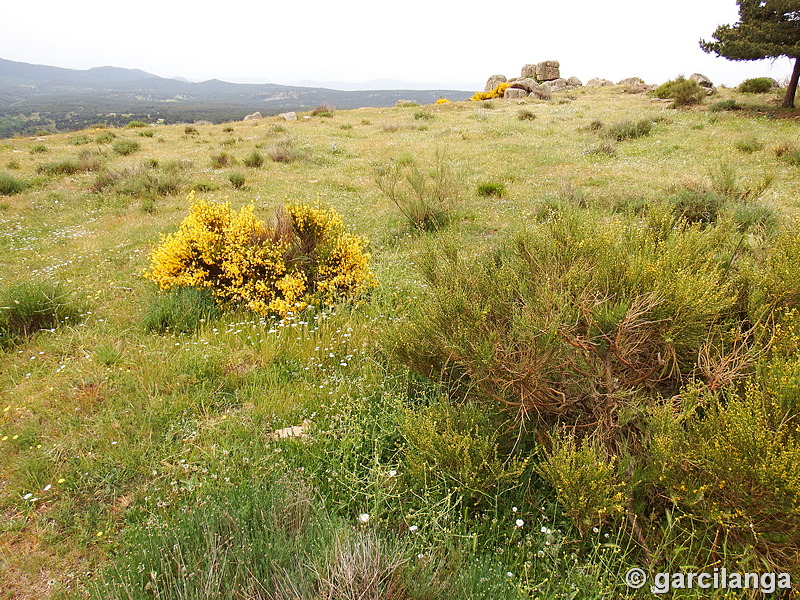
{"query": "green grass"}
{"type": "Point", "coordinates": [145, 426]}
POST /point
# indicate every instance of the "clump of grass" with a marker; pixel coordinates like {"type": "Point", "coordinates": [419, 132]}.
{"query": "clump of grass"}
{"type": "Point", "coordinates": [105, 137]}
{"type": "Point", "coordinates": [136, 124]}
{"type": "Point", "coordinates": [756, 85]}
{"type": "Point", "coordinates": [10, 185]}
{"type": "Point", "coordinates": [698, 205]}
{"type": "Point", "coordinates": [628, 130]}
{"type": "Point", "coordinates": [724, 105]}
{"type": "Point", "coordinates": [227, 129]}
{"type": "Point", "coordinates": [180, 310]}
{"type": "Point", "coordinates": [80, 140]}
{"type": "Point", "coordinates": [526, 115]}
{"type": "Point", "coordinates": [204, 186]}
{"type": "Point", "coordinates": [346, 126]}
{"type": "Point", "coordinates": [148, 205]}
{"type": "Point", "coordinates": [29, 307]}
{"type": "Point", "coordinates": [38, 149]}
{"type": "Point", "coordinates": [603, 149]}
{"type": "Point", "coordinates": [594, 126]}
{"type": "Point", "coordinates": [67, 166]}
{"type": "Point", "coordinates": [423, 115]}
{"type": "Point", "coordinates": [190, 130]}
{"type": "Point", "coordinates": [141, 183]}
{"type": "Point", "coordinates": [228, 143]}
{"type": "Point", "coordinates": [221, 160]}
{"type": "Point", "coordinates": [237, 180]}
{"type": "Point", "coordinates": [283, 151]}
{"type": "Point", "coordinates": [489, 189]}
{"type": "Point", "coordinates": [748, 145]}
{"type": "Point", "coordinates": [148, 133]}
{"type": "Point", "coordinates": [125, 147]}
{"type": "Point", "coordinates": [323, 110]}
{"type": "Point", "coordinates": [682, 91]}
{"type": "Point", "coordinates": [788, 153]}
{"type": "Point", "coordinates": [254, 159]}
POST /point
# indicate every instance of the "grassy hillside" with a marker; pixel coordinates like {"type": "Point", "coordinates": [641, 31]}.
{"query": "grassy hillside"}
{"type": "Point", "coordinates": [605, 376]}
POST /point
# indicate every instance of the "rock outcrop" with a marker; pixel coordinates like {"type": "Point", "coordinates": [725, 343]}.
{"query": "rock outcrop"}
{"type": "Point", "coordinates": [514, 92]}
{"type": "Point", "coordinates": [493, 82]}
{"type": "Point", "coordinates": [255, 115]}
{"type": "Point", "coordinates": [548, 70]}
{"type": "Point", "coordinates": [597, 82]}
{"type": "Point", "coordinates": [703, 82]}
{"type": "Point", "coordinates": [289, 116]}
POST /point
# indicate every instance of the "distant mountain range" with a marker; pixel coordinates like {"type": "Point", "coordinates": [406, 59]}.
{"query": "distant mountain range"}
{"type": "Point", "coordinates": [39, 97]}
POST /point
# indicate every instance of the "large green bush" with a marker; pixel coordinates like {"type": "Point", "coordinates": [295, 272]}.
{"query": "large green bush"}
{"type": "Point", "coordinates": [682, 91]}
{"type": "Point", "coordinates": [757, 85]}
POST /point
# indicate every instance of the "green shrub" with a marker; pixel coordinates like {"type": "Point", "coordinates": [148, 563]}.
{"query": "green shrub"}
{"type": "Point", "coordinates": [724, 105]}
{"type": "Point", "coordinates": [38, 149]}
{"type": "Point", "coordinates": [27, 308]}
{"type": "Point", "coordinates": [181, 310]}
{"type": "Point", "coordinates": [227, 129]}
{"type": "Point", "coordinates": [585, 481]}
{"type": "Point", "coordinates": [125, 147]}
{"type": "Point", "coordinates": [136, 124]}
{"type": "Point", "coordinates": [682, 91]}
{"type": "Point", "coordinates": [148, 133]}
{"type": "Point", "coordinates": [757, 85]}
{"type": "Point", "coordinates": [10, 185]}
{"type": "Point", "coordinates": [698, 205]}
{"type": "Point", "coordinates": [428, 200]}
{"type": "Point", "coordinates": [576, 304]}
{"type": "Point", "coordinates": [254, 159]}
{"type": "Point", "coordinates": [489, 189]}
{"type": "Point", "coordinates": [105, 137]}
{"type": "Point", "coordinates": [628, 130]}
{"type": "Point", "coordinates": [190, 130]}
{"type": "Point", "coordinates": [454, 449]}
{"type": "Point", "coordinates": [80, 140]}
{"type": "Point", "coordinates": [237, 180]}
{"type": "Point", "coordinates": [423, 115]}
{"type": "Point", "coordinates": [526, 115]}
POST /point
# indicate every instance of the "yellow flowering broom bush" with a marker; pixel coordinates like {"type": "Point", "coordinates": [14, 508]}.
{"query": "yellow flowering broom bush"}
{"type": "Point", "coordinates": [303, 257]}
{"type": "Point", "coordinates": [497, 92]}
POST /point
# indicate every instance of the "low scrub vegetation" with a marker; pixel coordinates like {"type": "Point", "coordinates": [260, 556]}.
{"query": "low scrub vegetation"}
{"type": "Point", "coordinates": [570, 347]}
{"type": "Point", "coordinates": [757, 85]}
{"type": "Point", "coordinates": [683, 92]}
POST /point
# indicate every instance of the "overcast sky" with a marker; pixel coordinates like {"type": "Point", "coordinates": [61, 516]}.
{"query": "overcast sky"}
{"type": "Point", "coordinates": [450, 44]}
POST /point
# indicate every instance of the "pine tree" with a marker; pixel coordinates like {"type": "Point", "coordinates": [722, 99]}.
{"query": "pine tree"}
{"type": "Point", "coordinates": [766, 29]}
